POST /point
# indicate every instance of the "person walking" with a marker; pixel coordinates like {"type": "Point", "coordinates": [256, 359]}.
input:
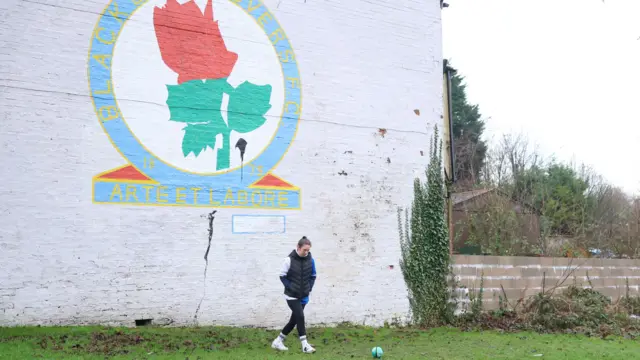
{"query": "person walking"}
{"type": "Point", "coordinates": [298, 275]}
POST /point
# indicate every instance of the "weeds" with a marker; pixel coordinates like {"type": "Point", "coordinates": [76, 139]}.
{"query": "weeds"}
{"type": "Point", "coordinates": [631, 303]}
{"type": "Point", "coordinates": [571, 309]}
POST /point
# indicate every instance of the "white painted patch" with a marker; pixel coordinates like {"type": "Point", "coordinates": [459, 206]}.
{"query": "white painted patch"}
{"type": "Point", "coordinates": [258, 224]}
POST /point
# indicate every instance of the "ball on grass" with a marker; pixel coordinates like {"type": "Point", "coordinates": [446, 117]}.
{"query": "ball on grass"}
{"type": "Point", "coordinates": [376, 352]}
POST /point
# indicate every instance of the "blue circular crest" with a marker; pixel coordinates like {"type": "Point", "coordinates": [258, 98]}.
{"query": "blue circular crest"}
{"type": "Point", "coordinates": [103, 42]}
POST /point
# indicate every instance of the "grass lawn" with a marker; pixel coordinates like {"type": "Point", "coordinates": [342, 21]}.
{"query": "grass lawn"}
{"type": "Point", "coordinates": [331, 343]}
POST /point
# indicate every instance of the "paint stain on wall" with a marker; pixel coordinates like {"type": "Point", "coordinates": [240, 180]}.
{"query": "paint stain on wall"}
{"type": "Point", "coordinates": [210, 218]}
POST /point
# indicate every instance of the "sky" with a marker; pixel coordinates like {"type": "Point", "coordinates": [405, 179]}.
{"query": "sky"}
{"type": "Point", "coordinates": [564, 72]}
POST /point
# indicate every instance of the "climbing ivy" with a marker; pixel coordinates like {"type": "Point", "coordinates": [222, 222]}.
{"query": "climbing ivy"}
{"type": "Point", "coordinates": [424, 244]}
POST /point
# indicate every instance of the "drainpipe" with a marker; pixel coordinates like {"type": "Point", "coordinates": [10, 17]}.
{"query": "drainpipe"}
{"type": "Point", "coordinates": [449, 155]}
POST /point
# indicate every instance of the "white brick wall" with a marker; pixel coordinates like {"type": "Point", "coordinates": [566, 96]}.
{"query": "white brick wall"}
{"type": "Point", "coordinates": [364, 65]}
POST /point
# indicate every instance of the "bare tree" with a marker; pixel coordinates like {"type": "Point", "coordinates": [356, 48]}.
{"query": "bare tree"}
{"type": "Point", "coordinates": [510, 156]}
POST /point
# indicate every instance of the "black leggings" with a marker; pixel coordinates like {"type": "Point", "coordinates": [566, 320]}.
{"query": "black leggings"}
{"type": "Point", "coordinates": [297, 318]}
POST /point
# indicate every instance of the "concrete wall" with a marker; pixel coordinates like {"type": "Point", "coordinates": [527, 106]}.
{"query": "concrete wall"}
{"type": "Point", "coordinates": [523, 276]}
{"type": "Point", "coordinates": [313, 120]}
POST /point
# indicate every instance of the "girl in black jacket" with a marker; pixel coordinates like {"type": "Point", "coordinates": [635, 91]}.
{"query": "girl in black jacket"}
{"type": "Point", "coordinates": [298, 275]}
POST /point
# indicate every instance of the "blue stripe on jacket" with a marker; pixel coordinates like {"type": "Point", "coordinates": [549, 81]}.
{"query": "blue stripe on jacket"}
{"type": "Point", "coordinates": [312, 281]}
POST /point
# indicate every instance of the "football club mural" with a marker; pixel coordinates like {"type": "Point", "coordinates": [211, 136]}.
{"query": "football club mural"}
{"type": "Point", "coordinates": [201, 98]}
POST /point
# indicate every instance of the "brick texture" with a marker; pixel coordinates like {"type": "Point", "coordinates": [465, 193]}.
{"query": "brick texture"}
{"type": "Point", "coordinates": [364, 66]}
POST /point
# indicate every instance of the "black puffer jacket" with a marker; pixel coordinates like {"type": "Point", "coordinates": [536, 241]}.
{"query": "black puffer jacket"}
{"type": "Point", "coordinates": [299, 279]}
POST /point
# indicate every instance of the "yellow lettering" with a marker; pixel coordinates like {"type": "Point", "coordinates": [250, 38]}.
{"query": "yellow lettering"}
{"type": "Point", "coordinates": [229, 197]}
{"type": "Point", "coordinates": [297, 111]}
{"type": "Point", "coordinates": [102, 59]}
{"type": "Point", "coordinates": [140, 2]}
{"type": "Point", "coordinates": [146, 188]}
{"type": "Point", "coordinates": [109, 112]}
{"type": "Point", "coordinates": [264, 18]}
{"type": "Point", "coordinates": [253, 197]}
{"type": "Point", "coordinates": [131, 192]}
{"type": "Point", "coordinates": [269, 198]}
{"type": "Point", "coordinates": [211, 201]}
{"type": "Point", "coordinates": [243, 197]}
{"type": "Point", "coordinates": [181, 198]}
{"type": "Point", "coordinates": [282, 199]}
{"type": "Point", "coordinates": [116, 13]}
{"type": "Point", "coordinates": [287, 56]}
{"type": "Point", "coordinates": [252, 7]}
{"type": "Point", "coordinates": [255, 170]}
{"type": "Point", "coordinates": [109, 41]}
{"type": "Point", "coordinates": [160, 195]}
{"type": "Point", "coordinates": [103, 92]}
{"type": "Point", "coordinates": [148, 162]}
{"type": "Point", "coordinates": [116, 191]}
{"type": "Point", "coordinates": [277, 35]}
{"type": "Point", "coordinates": [295, 82]}
{"type": "Point", "coordinates": [195, 194]}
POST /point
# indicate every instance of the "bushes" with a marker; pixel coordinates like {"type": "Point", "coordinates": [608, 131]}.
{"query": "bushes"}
{"type": "Point", "coordinates": [574, 309]}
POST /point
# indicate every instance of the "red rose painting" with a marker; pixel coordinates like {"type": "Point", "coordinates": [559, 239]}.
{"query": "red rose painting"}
{"type": "Point", "coordinates": [190, 42]}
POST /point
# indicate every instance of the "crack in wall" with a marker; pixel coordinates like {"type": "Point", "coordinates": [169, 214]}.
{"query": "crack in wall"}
{"type": "Point", "coordinates": [210, 218]}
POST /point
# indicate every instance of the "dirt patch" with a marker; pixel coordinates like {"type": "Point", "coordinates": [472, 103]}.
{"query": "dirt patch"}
{"type": "Point", "coordinates": [111, 344]}
{"type": "Point", "coordinates": [49, 342]}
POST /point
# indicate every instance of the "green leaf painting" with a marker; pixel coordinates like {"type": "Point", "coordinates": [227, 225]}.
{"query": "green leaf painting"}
{"type": "Point", "coordinates": [198, 136]}
{"type": "Point", "coordinates": [247, 106]}
{"type": "Point", "coordinates": [198, 103]}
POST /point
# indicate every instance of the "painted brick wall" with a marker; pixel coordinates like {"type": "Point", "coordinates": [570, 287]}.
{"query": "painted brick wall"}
{"type": "Point", "coordinates": [522, 277]}
{"type": "Point", "coordinates": [87, 233]}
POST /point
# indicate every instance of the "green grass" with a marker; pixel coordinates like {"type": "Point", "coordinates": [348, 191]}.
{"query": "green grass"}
{"type": "Point", "coordinates": [331, 343]}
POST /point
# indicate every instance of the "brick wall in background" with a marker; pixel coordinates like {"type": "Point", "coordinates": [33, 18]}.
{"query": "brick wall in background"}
{"type": "Point", "coordinates": [523, 276]}
{"type": "Point", "coordinates": [99, 218]}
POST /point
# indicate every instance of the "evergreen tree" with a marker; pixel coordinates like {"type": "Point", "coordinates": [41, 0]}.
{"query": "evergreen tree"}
{"type": "Point", "coordinates": [468, 127]}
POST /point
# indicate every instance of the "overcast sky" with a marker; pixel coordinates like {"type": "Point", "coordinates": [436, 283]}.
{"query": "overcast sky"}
{"type": "Point", "coordinates": [566, 72]}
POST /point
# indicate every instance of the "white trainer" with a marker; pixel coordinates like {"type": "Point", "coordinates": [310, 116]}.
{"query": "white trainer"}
{"type": "Point", "coordinates": [278, 345]}
{"type": "Point", "coordinates": [307, 348]}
